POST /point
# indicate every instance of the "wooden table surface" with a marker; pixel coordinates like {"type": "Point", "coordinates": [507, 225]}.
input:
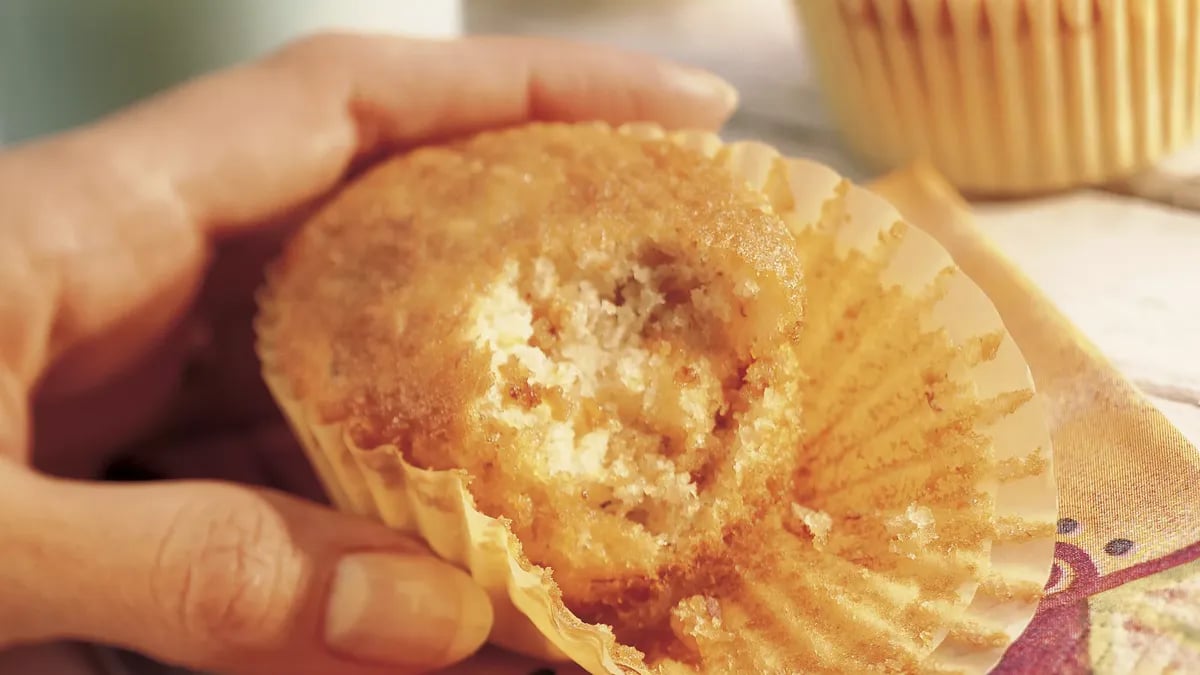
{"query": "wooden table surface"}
{"type": "Point", "coordinates": [1124, 267]}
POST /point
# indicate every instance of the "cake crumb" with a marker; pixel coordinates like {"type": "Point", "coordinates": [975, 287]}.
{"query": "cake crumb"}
{"type": "Point", "coordinates": [912, 531]}
{"type": "Point", "coordinates": [696, 619]}
{"type": "Point", "coordinates": [818, 524]}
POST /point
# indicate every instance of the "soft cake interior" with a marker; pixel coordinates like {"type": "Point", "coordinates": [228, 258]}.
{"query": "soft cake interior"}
{"type": "Point", "coordinates": [652, 397]}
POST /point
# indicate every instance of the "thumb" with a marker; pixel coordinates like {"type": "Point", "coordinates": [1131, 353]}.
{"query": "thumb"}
{"type": "Point", "coordinates": [221, 577]}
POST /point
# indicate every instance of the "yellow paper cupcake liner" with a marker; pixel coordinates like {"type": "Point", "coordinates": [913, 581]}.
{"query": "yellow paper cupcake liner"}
{"type": "Point", "coordinates": [903, 351]}
{"type": "Point", "coordinates": [1011, 96]}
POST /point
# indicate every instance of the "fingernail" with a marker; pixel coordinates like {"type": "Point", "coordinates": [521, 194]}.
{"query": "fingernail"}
{"type": "Point", "coordinates": [703, 84]}
{"type": "Point", "coordinates": [408, 610]}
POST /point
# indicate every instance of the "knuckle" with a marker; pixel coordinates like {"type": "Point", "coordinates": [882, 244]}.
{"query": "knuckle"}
{"type": "Point", "coordinates": [230, 573]}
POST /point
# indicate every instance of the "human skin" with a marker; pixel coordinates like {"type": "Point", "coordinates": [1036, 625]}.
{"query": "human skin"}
{"type": "Point", "coordinates": [129, 250]}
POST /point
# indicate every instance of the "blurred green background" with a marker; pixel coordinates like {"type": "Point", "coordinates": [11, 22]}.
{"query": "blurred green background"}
{"type": "Point", "coordinates": [67, 62]}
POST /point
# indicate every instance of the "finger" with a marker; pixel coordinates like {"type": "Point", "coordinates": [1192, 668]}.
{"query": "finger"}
{"type": "Point", "coordinates": [14, 424]}
{"type": "Point", "coordinates": [113, 219]}
{"type": "Point", "coordinates": [300, 116]}
{"type": "Point", "coordinates": [225, 578]}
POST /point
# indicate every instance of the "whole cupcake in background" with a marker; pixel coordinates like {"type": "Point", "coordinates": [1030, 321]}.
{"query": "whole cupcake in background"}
{"type": "Point", "coordinates": [1007, 97]}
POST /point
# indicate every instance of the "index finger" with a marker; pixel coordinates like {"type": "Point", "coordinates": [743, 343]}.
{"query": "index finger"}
{"type": "Point", "coordinates": [250, 142]}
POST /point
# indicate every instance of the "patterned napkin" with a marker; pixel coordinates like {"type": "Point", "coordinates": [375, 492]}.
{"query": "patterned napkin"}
{"type": "Point", "coordinates": [1124, 595]}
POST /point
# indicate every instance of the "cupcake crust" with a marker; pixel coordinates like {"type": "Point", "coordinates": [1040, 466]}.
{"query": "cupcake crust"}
{"type": "Point", "coordinates": [598, 328]}
{"type": "Point", "coordinates": [382, 278]}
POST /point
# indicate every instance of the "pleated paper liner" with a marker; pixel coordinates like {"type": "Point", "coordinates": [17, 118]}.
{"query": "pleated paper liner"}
{"type": "Point", "coordinates": [926, 519]}
{"type": "Point", "coordinates": [1011, 96]}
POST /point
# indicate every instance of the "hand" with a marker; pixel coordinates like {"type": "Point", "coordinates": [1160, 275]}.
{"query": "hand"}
{"type": "Point", "coordinates": [130, 248]}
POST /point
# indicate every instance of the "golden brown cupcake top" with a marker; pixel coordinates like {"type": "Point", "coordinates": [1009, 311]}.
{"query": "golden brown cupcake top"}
{"type": "Point", "coordinates": [377, 285]}
{"type": "Point", "coordinates": [597, 327]}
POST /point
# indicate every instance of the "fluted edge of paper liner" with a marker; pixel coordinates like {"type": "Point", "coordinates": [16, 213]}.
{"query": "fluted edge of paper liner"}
{"type": "Point", "coordinates": [1011, 96]}
{"type": "Point", "coordinates": [437, 505]}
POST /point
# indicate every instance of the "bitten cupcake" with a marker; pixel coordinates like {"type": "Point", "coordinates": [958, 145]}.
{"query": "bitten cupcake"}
{"type": "Point", "coordinates": [674, 413]}
{"type": "Point", "coordinates": [1014, 96]}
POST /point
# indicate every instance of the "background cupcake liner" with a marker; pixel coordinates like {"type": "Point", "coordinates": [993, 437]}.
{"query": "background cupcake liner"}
{"type": "Point", "coordinates": [1011, 96]}
{"type": "Point", "coordinates": [996, 592]}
